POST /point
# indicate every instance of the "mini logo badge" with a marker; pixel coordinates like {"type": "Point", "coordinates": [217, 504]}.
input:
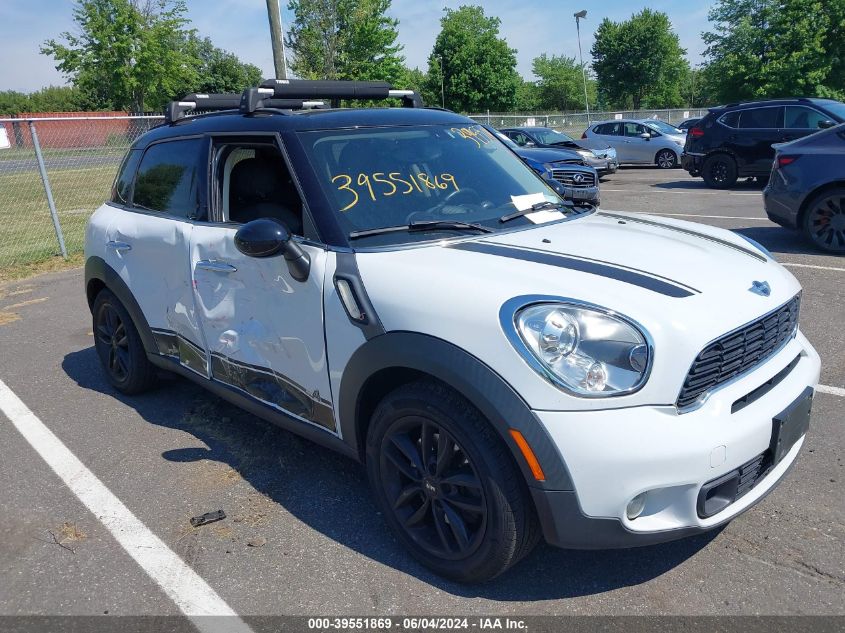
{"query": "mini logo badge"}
{"type": "Point", "coordinates": [578, 178]}
{"type": "Point", "coordinates": [761, 288]}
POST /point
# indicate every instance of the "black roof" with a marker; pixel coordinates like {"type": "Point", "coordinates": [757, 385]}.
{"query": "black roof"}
{"type": "Point", "coordinates": [300, 120]}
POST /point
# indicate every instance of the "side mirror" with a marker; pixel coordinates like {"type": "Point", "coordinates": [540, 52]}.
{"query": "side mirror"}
{"type": "Point", "coordinates": [645, 136]}
{"type": "Point", "coordinates": [267, 237]}
{"type": "Point", "coordinates": [826, 124]}
{"type": "Point", "coordinates": [529, 144]}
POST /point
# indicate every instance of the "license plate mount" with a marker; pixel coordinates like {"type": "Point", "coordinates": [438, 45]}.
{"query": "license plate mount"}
{"type": "Point", "coordinates": [790, 424]}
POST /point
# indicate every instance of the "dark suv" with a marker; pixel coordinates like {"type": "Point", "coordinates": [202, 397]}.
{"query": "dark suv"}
{"type": "Point", "coordinates": [735, 141]}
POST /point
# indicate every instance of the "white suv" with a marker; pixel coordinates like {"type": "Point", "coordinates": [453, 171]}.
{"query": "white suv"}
{"type": "Point", "coordinates": [395, 284]}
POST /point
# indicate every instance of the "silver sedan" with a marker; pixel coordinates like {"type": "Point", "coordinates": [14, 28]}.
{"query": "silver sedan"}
{"type": "Point", "coordinates": [641, 141]}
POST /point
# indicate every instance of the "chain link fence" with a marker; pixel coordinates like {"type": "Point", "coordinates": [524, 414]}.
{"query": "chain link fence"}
{"type": "Point", "coordinates": [54, 172]}
{"type": "Point", "coordinates": [574, 123]}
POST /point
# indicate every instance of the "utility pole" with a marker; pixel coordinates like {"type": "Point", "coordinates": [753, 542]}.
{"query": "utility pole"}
{"type": "Point", "coordinates": [578, 17]}
{"type": "Point", "coordinates": [275, 16]}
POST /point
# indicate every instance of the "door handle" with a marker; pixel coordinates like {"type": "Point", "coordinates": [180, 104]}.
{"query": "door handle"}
{"type": "Point", "coordinates": [119, 246]}
{"type": "Point", "coordinates": [216, 267]}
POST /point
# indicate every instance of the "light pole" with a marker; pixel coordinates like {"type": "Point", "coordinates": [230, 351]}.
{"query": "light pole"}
{"type": "Point", "coordinates": [277, 39]}
{"type": "Point", "coordinates": [578, 17]}
{"type": "Point", "coordinates": [442, 91]}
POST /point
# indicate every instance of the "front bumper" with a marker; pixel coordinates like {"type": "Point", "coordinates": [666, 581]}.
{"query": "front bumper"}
{"type": "Point", "coordinates": [613, 455]}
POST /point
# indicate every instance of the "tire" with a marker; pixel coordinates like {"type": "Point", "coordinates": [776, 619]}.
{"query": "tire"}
{"type": "Point", "coordinates": [666, 159]}
{"type": "Point", "coordinates": [493, 524]}
{"type": "Point", "coordinates": [719, 171]}
{"type": "Point", "coordinates": [119, 346]}
{"type": "Point", "coordinates": [823, 222]}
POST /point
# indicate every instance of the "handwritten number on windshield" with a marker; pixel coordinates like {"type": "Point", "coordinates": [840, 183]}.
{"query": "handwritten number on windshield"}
{"type": "Point", "coordinates": [420, 183]}
{"type": "Point", "coordinates": [346, 186]}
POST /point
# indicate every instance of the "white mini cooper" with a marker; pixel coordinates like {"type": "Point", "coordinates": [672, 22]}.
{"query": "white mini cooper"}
{"type": "Point", "coordinates": [395, 284]}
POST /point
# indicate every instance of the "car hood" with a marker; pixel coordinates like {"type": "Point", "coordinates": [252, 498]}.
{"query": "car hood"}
{"type": "Point", "coordinates": [542, 155]}
{"type": "Point", "coordinates": [687, 284]}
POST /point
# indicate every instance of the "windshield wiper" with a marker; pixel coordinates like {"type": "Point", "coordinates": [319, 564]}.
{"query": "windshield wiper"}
{"type": "Point", "coordinates": [423, 225]}
{"type": "Point", "coordinates": [538, 206]}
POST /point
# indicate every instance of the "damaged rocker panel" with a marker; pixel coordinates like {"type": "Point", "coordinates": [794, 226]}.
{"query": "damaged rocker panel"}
{"type": "Point", "coordinates": [260, 383]}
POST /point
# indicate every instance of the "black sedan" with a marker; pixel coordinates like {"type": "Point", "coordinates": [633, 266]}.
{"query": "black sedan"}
{"type": "Point", "coordinates": [806, 189]}
{"type": "Point", "coordinates": [603, 160]}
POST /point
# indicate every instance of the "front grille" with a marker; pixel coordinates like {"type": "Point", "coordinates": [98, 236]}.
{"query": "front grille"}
{"type": "Point", "coordinates": [569, 178]}
{"type": "Point", "coordinates": [739, 351]}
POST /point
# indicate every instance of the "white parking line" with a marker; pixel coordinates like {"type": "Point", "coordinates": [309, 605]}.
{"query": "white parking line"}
{"type": "Point", "coordinates": [839, 270]}
{"type": "Point", "coordinates": [833, 391]}
{"type": "Point", "coordinates": [182, 584]}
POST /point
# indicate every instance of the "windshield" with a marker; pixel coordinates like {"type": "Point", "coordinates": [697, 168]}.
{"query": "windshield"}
{"type": "Point", "coordinates": [381, 177]}
{"type": "Point", "coordinates": [660, 126]}
{"type": "Point", "coordinates": [548, 136]}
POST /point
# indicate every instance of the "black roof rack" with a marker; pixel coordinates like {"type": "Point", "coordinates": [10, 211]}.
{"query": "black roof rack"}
{"type": "Point", "coordinates": [290, 94]}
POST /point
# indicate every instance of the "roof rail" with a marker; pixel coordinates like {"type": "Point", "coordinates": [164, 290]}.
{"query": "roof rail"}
{"type": "Point", "coordinates": [332, 90]}
{"type": "Point", "coordinates": [290, 94]}
{"type": "Point", "coordinates": [176, 109]}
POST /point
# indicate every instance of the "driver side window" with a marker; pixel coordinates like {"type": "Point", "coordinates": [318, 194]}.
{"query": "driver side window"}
{"type": "Point", "coordinates": [252, 181]}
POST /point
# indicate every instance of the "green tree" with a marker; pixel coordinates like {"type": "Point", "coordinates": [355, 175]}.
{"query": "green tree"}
{"type": "Point", "coordinates": [527, 97]}
{"type": "Point", "coordinates": [560, 83]}
{"type": "Point", "coordinates": [771, 48]}
{"type": "Point", "coordinates": [127, 54]}
{"type": "Point", "coordinates": [217, 70]}
{"type": "Point", "coordinates": [479, 67]}
{"type": "Point", "coordinates": [48, 99]}
{"type": "Point", "coordinates": [344, 39]}
{"type": "Point", "coordinates": [639, 62]}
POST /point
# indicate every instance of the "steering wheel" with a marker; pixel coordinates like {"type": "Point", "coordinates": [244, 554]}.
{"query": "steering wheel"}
{"type": "Point", "coordinates": [459, 194]}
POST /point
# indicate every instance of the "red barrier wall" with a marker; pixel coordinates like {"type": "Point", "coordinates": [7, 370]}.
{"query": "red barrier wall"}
{"type": "Point", "coordinates": [67, 134]}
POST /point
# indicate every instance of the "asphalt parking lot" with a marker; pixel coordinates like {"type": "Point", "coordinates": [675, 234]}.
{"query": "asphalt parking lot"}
{"type": "Point", "coordinates": [302, 535]}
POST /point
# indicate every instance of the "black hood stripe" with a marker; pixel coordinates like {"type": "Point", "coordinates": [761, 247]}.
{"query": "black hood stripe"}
{"type": "Point", "coordinates": [679, 229]}
{"type": "Point", "coordinates": [670, 289]}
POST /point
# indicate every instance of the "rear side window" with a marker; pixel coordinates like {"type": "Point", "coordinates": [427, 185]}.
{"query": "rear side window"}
{"type": "Point", "coordinates": [759, 118]}
{"type": "Point", "coordinates": [167, 178]}
{"type": "Point", "coordinates": [731, 119]}
{"type": "Point", "coordinates": [123, 182]}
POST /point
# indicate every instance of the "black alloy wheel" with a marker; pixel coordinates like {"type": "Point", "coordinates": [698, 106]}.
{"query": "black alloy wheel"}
{"type": "Point", "coordinates": [112, 337]}
{"type": "Point", "coordinates": [433, 488]}
{"type": "Point", "coordinates": [719, 171]}
{"type": "Point", "coordinates": [824, 221]}
{"type": "Point", "coordinates": [119, 346]}
{"type": "Point", "coordinates": [447, 484]}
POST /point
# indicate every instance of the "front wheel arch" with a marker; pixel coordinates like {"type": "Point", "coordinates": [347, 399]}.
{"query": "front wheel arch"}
{"type": "Point", "coordinates": [394, 358]}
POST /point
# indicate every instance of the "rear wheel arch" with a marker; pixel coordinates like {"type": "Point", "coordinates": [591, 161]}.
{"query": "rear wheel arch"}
{"type": "Point", "coordinates": [811, 196]}
{"type": "Point", "coordinates": [99, 276]}
{"type": "Point", "coordinates": [667, 149]}
{"type": "Point", "coordinates": [388, 361]}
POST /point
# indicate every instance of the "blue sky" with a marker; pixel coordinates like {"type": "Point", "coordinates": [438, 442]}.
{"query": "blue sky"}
{"type": "Point", "coordinates": [530, 26]}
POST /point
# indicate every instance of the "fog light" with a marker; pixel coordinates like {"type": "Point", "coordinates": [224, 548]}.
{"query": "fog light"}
{"type": "Point", "coordinates": [635, 506]}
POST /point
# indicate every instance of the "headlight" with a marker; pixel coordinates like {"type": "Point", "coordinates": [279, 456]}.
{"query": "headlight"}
{"type": "Point", "coordinates": [586, 153]}
{"type": "Point", "coordinates": [583, 349]}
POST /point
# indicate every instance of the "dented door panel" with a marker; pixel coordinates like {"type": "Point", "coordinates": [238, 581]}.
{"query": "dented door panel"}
{"type": "Point", "coordinates": [263, 330]}
{"type": "Point", "coordinates": [149, 252]}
